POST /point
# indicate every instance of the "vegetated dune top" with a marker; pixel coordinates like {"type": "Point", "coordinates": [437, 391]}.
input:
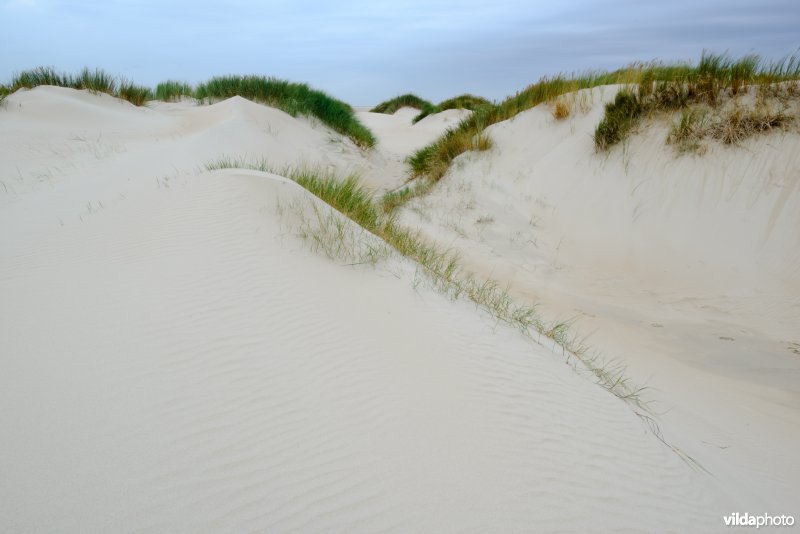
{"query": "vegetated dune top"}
{"type": "Point", "coordinates": [89, 128]}
{"type": "Point", "coordinates": [176, 359]}
{"type": "Point", "coordinates": [686, 267]}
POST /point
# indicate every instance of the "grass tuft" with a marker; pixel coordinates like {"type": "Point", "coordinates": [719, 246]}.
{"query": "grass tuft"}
{"type": "Point", "coordinates": [739, 123]}
{"type": "Point", "coordinates": [403, 101]}
{"type": "Point", "coordinates": [96, 81]}
{"type": "Point", "coordinates": [688, 131]}
{"type": "Point", "coordinates": [29, 79]}
{"type": "Point", "coordinates": [173, 91]}
{"type": "Point", "coordinates": [561, 109]}
{"type": "Point", "coordinates": [293, 98]}
{"type": "Point", "coordinates": [621, 116]}
{"type": "Point", "coordinates": [137, 95]}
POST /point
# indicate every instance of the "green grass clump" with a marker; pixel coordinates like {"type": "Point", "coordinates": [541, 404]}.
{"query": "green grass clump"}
{"type": "Point", "coordinates": [293, 98]}
{"type": "Point", "coordinates": [137, 95]}
{"type": "Point", "coordinates": [403, 101]}
{"type": "Point", "coordinates": [29, 79]}
{"type": "Point", "coordinates": [347, 196]}
{"type": "Point", "coordinates": [96, 81]}
{"type": "Point", "coordinates": [621, 116]}
{"type": "Point", "coordinates": [465, 101]}
{"type": "Point", "coordinates": [173, 91]}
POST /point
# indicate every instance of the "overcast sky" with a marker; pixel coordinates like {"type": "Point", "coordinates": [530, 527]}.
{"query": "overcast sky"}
{"type": "Point", "coordinates": [365, 51]}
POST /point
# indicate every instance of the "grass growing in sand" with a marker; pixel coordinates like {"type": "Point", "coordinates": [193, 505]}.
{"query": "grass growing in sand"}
{"type": "Point", "coordinates": [432, 161]}
{"type": "Point", "coordinates": [715, 83]}
{"type": "Point", "coordinates": [173, 91]}
{"type": "Point", "coordinates": [403, 101]}
{"type": "Point", "coordinates": [465, 101]}
{"type": "Point", "coordinates": [137, 95]}
{"type": "Point", "coordinates": [441, 267]}
{"type": "Point", "coordinates": [650, 86]}
{"type": "Point", "coordinates": [97, 81]}
{"type": "Point", "coordinates": [293, 98]}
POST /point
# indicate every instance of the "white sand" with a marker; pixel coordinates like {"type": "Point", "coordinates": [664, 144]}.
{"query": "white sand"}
{"type": "Point", "coordinates": [175, 359]}
{"type": "Point", "coordinates": [686, 268]}
{"type": "Point", "coordinates": [399, 138]}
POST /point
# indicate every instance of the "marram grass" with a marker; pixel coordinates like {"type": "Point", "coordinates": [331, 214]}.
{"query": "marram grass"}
{"type": "Point", "coordinates": [97, 81]}
{"type": "Point", "coordinates": [293, 98]}
{"type": "Point", "coordinates": [441, 267]}
{"type": "Point", "coordinates": [712, 82]}
{"type": "Point", "coordinates": [137, 95]}
{"type": "Point", "coordinates": [653, 85]}
{"type": "Point", "coordinates": [173, 91]}
{"type": "Point", "coordinates": [408, 100]}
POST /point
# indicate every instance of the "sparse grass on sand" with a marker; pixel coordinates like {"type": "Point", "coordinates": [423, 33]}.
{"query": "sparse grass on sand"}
{"type": "Point", "coordinates": [441, 266]}
{"type": "Point", "coordinates": [327, 234]}
{"type": "Point", "coordinates": [433, 160]}
{"type": "Point", "coordinates": [173, 91]}
{"type": "Point", "coordinates": [711, 85]}
{"type": "Point", "coordinates": [465, 101]}
{"type": "Point", "coordinates": [561, 109]}
{"type": "Point", "coordinates": [652, 85]}
{"type": "Point", "coordinates": [293, 98]}
{"type": "Point", "coordinates": [403, 101]}
{"type": "Point", "coordinates": [97, 81]}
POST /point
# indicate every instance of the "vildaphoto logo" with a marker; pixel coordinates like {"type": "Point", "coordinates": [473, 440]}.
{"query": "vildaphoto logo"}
{"type": "Point", "coordinates": [764, 520]}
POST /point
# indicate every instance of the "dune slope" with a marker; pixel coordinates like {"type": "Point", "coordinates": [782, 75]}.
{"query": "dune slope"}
{"type": "Point", "coordinates": [175, 358]}
{"type": "Point", "coordinates": [685, 267]}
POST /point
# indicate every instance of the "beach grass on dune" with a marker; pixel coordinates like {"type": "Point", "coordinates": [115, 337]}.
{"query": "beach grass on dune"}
{"type": "Point", "coordinates": [465, 101]}
{"type": "Point", "coordinates": [35, 77]}
{"type": "Point", "coordinates": [173, 91]}
{"type": "Point", "coordinates": [293, 98]}
{"type": "Point", "coordinates": [712, 83]}
{"type": "Point", "coordinates": [653, 86]}
{"type": "Point", "coordinates": [408, 100]}
{"type": "Point", "coordinates": [97, 81]}
{"type": "Point", "coordinates": [138, 95]}
{"type": "Point", "coordinates": [433, 160]}
{"type": "Point", "coordinates": [442, 267]}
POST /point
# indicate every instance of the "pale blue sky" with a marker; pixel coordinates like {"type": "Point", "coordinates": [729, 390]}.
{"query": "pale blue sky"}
{"type": "Point", "coordinates": [367, 51]}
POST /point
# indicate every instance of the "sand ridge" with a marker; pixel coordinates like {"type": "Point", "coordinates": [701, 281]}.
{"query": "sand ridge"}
{"type": "Point", "coordinates": [175, 358]}
{"type": "Point", "coordinates": [683, 267]}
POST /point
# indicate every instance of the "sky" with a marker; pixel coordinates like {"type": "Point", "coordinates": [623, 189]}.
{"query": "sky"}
{"type": "Point", "coordinates": [365, 51]}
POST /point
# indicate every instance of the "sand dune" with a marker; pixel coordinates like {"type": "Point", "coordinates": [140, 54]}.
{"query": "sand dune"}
{"type": "Point", "coordinates": [684, 267]}
{"type": "Point", "coordinates": [176, 359]}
